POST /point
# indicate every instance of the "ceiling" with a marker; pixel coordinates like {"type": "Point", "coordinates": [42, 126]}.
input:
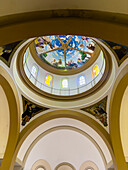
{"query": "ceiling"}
{"type": "Point", "coordinates": [13, 6]}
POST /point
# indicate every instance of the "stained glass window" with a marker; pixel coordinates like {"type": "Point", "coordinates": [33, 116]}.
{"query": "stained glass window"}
{"type": "Point", "coordinates": [64, 52]}
{"type": "Point", "coordinates": [81, 80]}
{"type": "Point", "coordinates": [96, 70]}
{"type": "Point", "coordinates": [26, 56]}
{"type": "Point", "coordinates": [65, 83]}
{"type": "Point", "coordinates": [48, 80]}
{"type": "Point", "coordinates": [34, 70]}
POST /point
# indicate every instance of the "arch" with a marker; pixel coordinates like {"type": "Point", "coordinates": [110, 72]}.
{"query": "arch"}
{"type": "Point", "coordinates": [63, 20]}
{"type": "Point", "coordinates": [49, 79]}
{"type": "Point", "coordinates": [12, 97]}
{"type": "Point", "coordinates": [88, 165]}
{"type": "Point", "coordinates": [4, 122]}
{"type": "Point", "coordinates": [115, 104]}
{"type": "Point", "coordinates": [67, 128]}
{"type": "Point", "coordinates": [65, 164]}
{"type": "Point", "coordinates": [95, 71]}
{"type": "Point", "coordinates": [81, 80]}
{"type": "Point", "coordinates": [65, 114]}
{"type": "Point", "coordinates": [41, 164]}
{"type": "Point", "coordinates": [65, 83]}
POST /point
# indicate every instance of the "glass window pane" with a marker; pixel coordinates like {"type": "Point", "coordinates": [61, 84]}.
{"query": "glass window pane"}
{"type": "Point", "coordinates": [81, 80]}
{"type": "Point", "coordinates": [96, 70]}
{"type": "Point", "coordinates": [34, 71]}
{"type": "Point", "coordinates": [48, 80]}
{"type": "Point", "coordinates": [65, 83]}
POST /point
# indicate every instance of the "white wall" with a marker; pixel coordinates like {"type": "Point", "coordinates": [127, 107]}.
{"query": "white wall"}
{"type": "Point", "coordinates": [64, 146]}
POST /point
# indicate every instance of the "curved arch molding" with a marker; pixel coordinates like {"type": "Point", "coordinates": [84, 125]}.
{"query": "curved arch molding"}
{"type": "Point", "coordinates": [12, 97]}
{"type": "Point", "coordinates": [64, 21]}
{"type": "Point", "coordinates": [115, 104]}
{"type": "Point", "coordinates": [65, 114]}
{"type": "Point", "coordinates": [67, 128]}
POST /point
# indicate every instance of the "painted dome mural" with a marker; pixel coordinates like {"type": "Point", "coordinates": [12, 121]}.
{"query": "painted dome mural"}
{"type": "Point", "coordinates": [65, 52]}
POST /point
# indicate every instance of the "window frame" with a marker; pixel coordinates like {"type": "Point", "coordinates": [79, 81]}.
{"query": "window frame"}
{"type": "Point", "coordinates": [62, 83]}
{"type": "Point", "coordinates": [79, 85]}
{"type": "Point", "coordinates": [51, 83]}
{"type": "Point", "coordinates": [37, 71]}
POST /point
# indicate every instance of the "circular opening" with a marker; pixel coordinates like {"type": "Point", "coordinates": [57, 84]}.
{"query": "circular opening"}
{"type": "Point", "coordinates": [64, 52]}
{"type": "Point", "coordinates": [77, 82]}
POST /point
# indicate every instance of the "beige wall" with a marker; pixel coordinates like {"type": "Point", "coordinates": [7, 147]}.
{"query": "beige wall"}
{"type": "Point", "coordinates": [4, 122]}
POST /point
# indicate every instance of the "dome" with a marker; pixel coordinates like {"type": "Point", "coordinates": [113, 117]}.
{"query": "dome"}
{"type": "Point", "coordinates": [62, 66]}
{"type": "Point", "coordinates": [64, 52]}
{"type": "Point", "coordinates": [46, 129]}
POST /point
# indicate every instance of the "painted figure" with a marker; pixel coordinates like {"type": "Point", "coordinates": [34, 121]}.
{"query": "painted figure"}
{"type": "Point", "coordinates": [28, 113]}
{"type": "Point", "coordinates": [91, 47]}
{"type": "Point", "coordinates": [101, 115]}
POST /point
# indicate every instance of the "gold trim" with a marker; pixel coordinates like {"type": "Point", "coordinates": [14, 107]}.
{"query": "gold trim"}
{"type": "Point", "coordinates": [62, 72]}
{"type": "Point", "coordinates": [13, 100]}
{"type": "Point", "coordinates": [114, 117]}
{"type": "Point", "coordinates": [64, 21]}
{"type": "Point", "coordinates": [30, 85]}
{"type": "Point", "coordinates": [94, 24]}
{"type": "Point", "coordinates": [68, 128]}
{"type": "Point", "coordinates": [65, 163]}
{"type": "Point", "coordinates": [41, 163]}
{"type": "Point", "coordinates": [68, 114]}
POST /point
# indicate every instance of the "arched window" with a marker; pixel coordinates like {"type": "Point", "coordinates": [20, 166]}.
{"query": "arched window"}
{"type": "Point", "coordinates": [64, 165]}
{"type": "Point", "coordinates": [65, 83]}
{"type": "Point", "coordinates": [40, 168]}
{"type": "Point", "coordinates": [41, 165]}
{"type": "Point", "coordinates": [26, 56]}
{"type": "Point", "coordinates": [89, 165]}
{"type": "Point", "coordinates": [34, 71]}
{"type": "Point", "coordinates": [96, 70]}
{"type": "Point", "coordinates": [81, 80]}
{"type": "Point", "coordinates": [48, 80]}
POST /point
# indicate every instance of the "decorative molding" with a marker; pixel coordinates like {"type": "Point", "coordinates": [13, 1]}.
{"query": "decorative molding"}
{"type": "Point", "coordinates": [99, 111]}
{"type": "Point", "coordinates": [64, 164]}
{"type": "Point", "coordinates": [53, 70]}
{"type": "Point", "coordinates": [29, 84]}
{"type": "Point", "coordinates": [67, 127]}
{"type": "Point", "coordinates": [62, 13]}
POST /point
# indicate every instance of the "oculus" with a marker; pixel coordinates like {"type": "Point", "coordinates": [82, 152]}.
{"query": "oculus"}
{"type": "Point", "coordinates": [65, 52]}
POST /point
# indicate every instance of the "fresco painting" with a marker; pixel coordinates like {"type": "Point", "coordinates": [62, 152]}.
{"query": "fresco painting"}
{"type": "Point", "coordinates": [120, 50]}
{"type": "Point", "coordinates": [65, 51]}
{"type": "Point", "coordinates": [30, 110]}
{"type": "Point", "coordinates": [99, 111]}
{"type": "Point", "coordinates": [6, 51]}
